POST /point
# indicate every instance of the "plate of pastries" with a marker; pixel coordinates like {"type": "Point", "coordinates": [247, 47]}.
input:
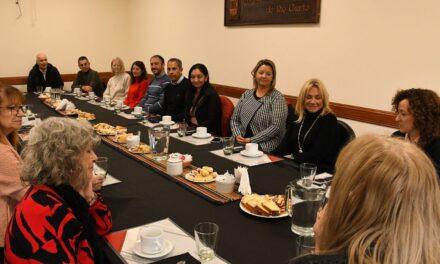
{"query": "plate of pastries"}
{"type": "Point", "coordinates": [105, 129]}
{"type": "Point", "coordinates": [204, 174]}
{"type": "Point", "coordinates": [121, 138]}
{"type": "Point", "coordinates": [86, 116]}
{"type": "Point", "coordinates": [140, 149]}
{"type": "Point", "coordinates": [265, 206]}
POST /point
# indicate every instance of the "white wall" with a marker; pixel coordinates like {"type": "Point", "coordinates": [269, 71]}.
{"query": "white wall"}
{"type": "Point", "coordinates": [64, 30]}
{"type": "Point", "coordinates": [363, 50]}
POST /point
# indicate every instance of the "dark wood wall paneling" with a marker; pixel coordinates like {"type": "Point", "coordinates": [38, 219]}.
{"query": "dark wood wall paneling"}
{"type": "Point", "coordinates": [356, 113]}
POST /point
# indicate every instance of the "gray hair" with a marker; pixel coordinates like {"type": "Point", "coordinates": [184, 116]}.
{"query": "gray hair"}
{"type": "Point", "coordinates": [53, 151]}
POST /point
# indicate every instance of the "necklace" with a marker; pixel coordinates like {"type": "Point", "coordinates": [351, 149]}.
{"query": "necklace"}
{"type": "Point", "coordinates": [300, 145]}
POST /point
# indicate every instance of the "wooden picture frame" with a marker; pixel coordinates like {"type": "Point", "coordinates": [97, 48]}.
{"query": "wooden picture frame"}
{"type": "Point", "coordinates": [261, 12]}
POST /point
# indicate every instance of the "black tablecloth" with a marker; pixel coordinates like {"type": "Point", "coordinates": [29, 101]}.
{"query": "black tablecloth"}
{"type": "Point", "coordinates": [145, 196]}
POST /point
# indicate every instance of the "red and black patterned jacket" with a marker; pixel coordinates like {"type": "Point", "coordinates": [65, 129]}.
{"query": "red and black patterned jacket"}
{"type": "Point", "coordinates": [45, 230]}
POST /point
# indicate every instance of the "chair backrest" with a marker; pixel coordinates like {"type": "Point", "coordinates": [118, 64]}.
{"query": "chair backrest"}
{"type": "Point", "coordinates": [290, 115]}
{"type": "Point", "coordinates": [345, 132]}
{"type": "Point", "coordinates": [227, 110]}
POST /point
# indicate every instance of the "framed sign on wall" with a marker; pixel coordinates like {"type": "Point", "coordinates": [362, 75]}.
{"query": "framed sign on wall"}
{"type": "Point", "coordinates": [260, 12]}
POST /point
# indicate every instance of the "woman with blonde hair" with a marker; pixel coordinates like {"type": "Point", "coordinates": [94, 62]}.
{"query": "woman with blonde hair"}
{"type": "Point", "coordinates": [313, 137]}
{"type": "Point", "coordinates": [11, 188]}
{"type": "Point", "coordinates": [260, 115]}
{"type": "Point", "coordinates": [60, 219]}
{"type": "Point", "coordinates": [384, 206]}
{"type": "Point", "coordinates": [117, 86]}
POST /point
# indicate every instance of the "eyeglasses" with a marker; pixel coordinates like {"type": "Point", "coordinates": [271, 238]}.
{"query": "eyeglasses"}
{"type": "Point", "coordinates": [15, 108]}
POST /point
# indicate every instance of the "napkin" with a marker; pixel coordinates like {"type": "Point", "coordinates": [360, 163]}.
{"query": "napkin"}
{"type": "Point", "coordinates": [62, 105]}
{"type": "Point", "coordinates": [70, 106]}
{"type": "Point", "coordinates": [323, 176]}
{"type": "Point", "coordinates": [245, 185]}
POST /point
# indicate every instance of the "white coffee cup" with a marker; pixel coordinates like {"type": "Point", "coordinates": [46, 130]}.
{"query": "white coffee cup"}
{"type": "Point", "coordinates": [137, 110]}
{"type": "Point", "coordinates": [251, 148]}
{"type": "Point", "coordinates": [201, 131]}
{"type": "Point", "coordinates": [166, 119]}
{"type": "Point", "coordinates": [133, 141]}
{"type": "Point", "coordinates": [152, 240]}
{"type": "Point", "coordinates": [77, 91]}
{"type": "Point", "coordinates": [48, 90]}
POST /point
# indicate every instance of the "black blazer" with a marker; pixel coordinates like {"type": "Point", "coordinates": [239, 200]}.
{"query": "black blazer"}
{"type": "Point", "coordinates": [208, 108]}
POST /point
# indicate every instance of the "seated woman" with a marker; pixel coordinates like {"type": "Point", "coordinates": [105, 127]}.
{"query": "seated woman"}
{"type": "Point", "coordinates": [418, 117]}
{"type": "Point", "coordinates": [60, 219]}
{"type": "Point", "coordinates": [202, 101]}
{"type": "Point", "coordinates": [384, 206]}
{"type": "Point", "coordinates": [11, 188]}
{"type": "Point", "coordinates": [117, 86]}
{"type": "Point", "coordinates": [139, 84]}
{"type": "Point", "coordinates": [260, 114]}
{"type": "Point", "coordinates": [312, 137]}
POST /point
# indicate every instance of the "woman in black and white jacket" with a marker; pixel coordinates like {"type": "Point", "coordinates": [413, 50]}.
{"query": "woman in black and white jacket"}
{"type": "Point", "coordinates": [260, 115]}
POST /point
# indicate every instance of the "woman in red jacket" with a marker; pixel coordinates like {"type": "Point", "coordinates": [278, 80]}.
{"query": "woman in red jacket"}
{"type": "Point", "coordinates": [60, 219]}
{"type": "Point", "coordinates": [139, 84]}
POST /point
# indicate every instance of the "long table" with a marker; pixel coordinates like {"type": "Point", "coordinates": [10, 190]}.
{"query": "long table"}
{"type": "Point", "coordinates": [145, 196]}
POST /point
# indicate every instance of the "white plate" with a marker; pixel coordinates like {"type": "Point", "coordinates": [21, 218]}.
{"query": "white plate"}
{"type": "Point", "coordinates": [137, 250]}
{"type": "Point", "coordinates": [263, 216]}
{"type": "Point", "coordinates": [256, 155]}
{"type": "Point", "coordinates": [167, 123]}
{"type": "Point", "coordinates": [133, 113]}
{"type": "Point", "coordinates": [195, 135]}
{"type": "Point", "coordinates": [188, 177]}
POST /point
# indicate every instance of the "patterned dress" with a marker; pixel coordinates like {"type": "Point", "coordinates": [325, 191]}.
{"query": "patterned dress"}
{"type": "Point", "coordinates": [45, 229]}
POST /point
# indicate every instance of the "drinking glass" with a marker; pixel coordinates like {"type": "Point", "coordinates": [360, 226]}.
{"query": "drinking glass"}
{"type": "Point", "coordinates": [228, 145]}
{"type": "Point", "coordinates": [39, 89]}
{"type": "Point", "coordinates": [305, 245]}
{"type": "Point", "coordinates": [206, 240]}
{"type": "Point", "coordinates": [181, 130]}
{"type": "Point", "coordinates": [39, 118]}
{"type": "Point", "coordinates": [107, 101]}
{"type": "Point", "coordinates": [159, 137]}
{"type": "Point", "coordinates": [100, 167]}
{"type": "Point", "coordinates": [307, 172]}
{"type": "Point", "coordinates": [27, 110]}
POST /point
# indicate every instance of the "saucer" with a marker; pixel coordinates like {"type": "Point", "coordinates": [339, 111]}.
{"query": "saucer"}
{"type": "Point", "coordinates": [136, 114]}
{"type": "Point", "coordinates": [167, 123]}
{"type": "Point", "coordinates": [168, 246]}
{"type": "Point", "coordinates": [207, 135]}
{"type": "Point", "coordinates": [256, 155]}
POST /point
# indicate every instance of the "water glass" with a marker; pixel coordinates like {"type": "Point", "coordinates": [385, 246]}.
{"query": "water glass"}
{"type": "Point", "coordinates": [305, 245]}
{"type": "Point", "coordinates": [159, 137]}
{"type": "Point", "coordinates": [100, 167]}
{"type": "Point", "coordinates": [307, 172]}
{"type": "Point", "coordinates": [206, 240]}
{"type": "Point", "coordinates": [228, 145]}
{"type": "Point", "coordinates": [181, 130]}
{"type": "Point", "coordinates": [107, 100]}
{"type": "Point", "coordinates": [39, 118]}
{"type": "Point", "coordinates": [39, 89]}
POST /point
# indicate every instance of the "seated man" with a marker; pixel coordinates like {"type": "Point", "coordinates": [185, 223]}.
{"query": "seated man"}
{"type": "Point", "coordinates": [174, 92]}
{"type": "Point", "coordinates": [43, 74]}
{"type": "Point", "coordinates": [87, 78]}
{"type": "Point", "coordinates": [153, 99]}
